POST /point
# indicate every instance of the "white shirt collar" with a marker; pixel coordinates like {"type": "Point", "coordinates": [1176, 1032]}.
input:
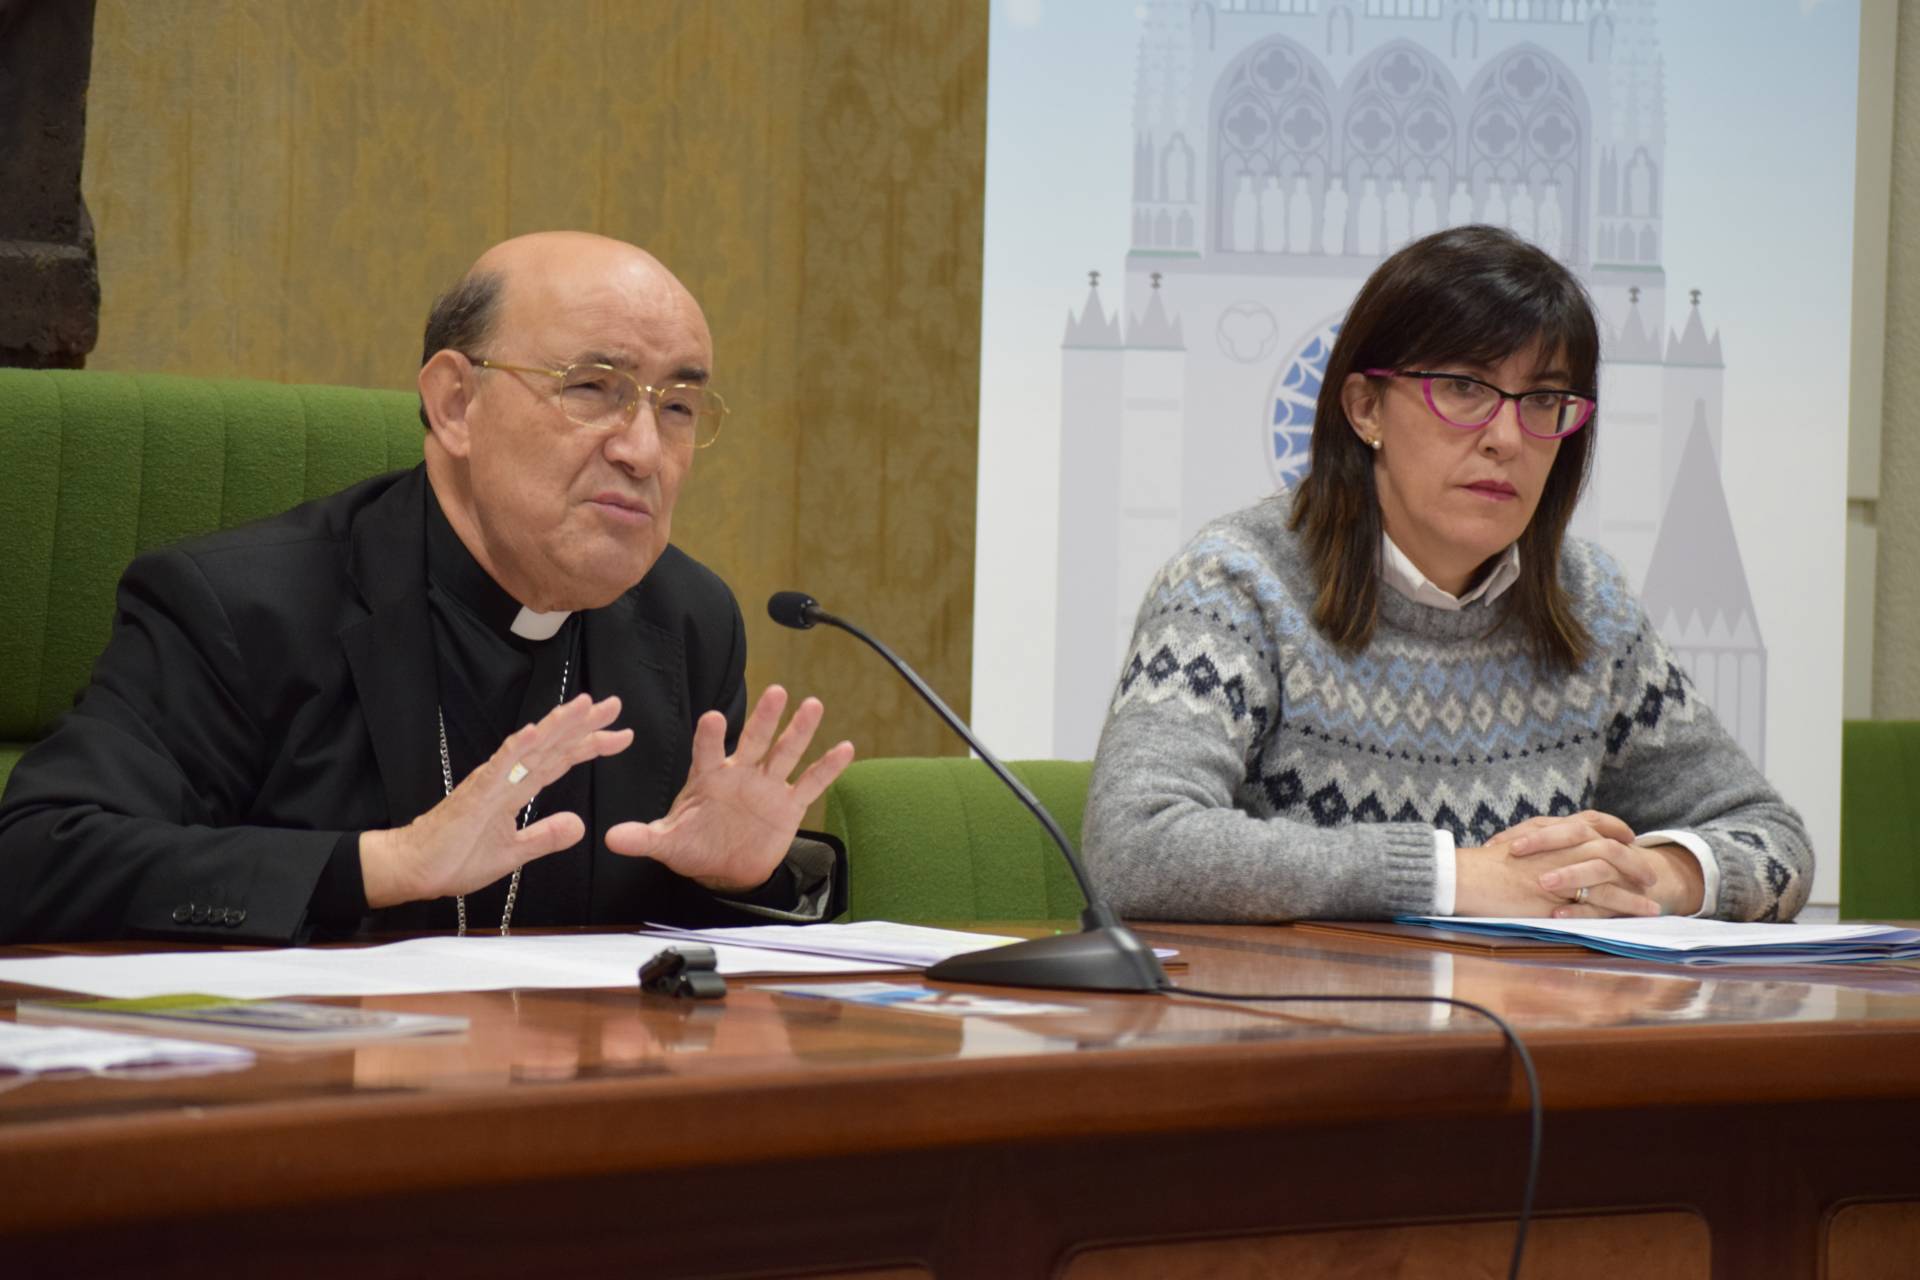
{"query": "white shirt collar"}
{"type": "Point", "coordinates": [539, 626]}
{"type": "Point", "coordinates": [1405, 577]}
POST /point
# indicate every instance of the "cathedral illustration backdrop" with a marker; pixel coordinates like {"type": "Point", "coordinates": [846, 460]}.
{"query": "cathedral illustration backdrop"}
{"type": "Point", "coordinates": [1202, 239]}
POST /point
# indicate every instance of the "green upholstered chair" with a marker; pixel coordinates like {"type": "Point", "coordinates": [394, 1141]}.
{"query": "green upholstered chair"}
{"type": "Point", "coordinates": [1880, 819]}
{"type": "Point", "coordinates": [100, 466]}
{"type": "Point", "coordinates": [944, 840]}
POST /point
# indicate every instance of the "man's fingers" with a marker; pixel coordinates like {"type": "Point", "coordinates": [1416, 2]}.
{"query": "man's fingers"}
{"type": "Point", "coordinates": [517, 755]}
{"type": "Point", "coordinates": [551, 834]}
{"type": "Point", "coordinates": [821, 773]}
{"type": "Point", "coordinates": [709, 742]}
{"type": "Point", "coordinates": [631, 839]}
{"type": "Point", "coordinates": [603, 742]}
{"type": "Point", "coordinates": [792, 743]}
{"type": "Point", "coordinates": [757, 734]}
{"type": "Point", "coordinates": [535, 756]}
{"type": "Point", "coordinates": [505, 763]}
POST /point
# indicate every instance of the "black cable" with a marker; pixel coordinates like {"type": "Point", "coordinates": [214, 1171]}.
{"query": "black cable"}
{"type": "Point", "coordinates": [1512, 1037]}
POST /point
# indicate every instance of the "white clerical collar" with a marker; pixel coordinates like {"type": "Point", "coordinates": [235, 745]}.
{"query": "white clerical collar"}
{"type": "Point", "coordinates": [539, 626]}
{"type": "Point", "coordinates": [1405, 577]}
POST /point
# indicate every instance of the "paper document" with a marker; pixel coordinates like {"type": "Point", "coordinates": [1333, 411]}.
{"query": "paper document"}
{"type": "Point", "coordinates": [1686, 940]}
{"type": "Point", "coordinates": [917, 946]}
{"type": "Point", "coordinates": [41, 1050]}
{"type": "Point", "coordinates": [414, 967]}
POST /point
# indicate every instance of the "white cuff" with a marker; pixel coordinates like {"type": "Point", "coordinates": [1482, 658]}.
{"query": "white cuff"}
{"type": "Point", "coordinates": [1445, 871]}
{"type": "Point", "coordinates": [1702, 853]}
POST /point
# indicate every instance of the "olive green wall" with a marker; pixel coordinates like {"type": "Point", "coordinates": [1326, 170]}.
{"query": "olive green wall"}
{"type": "Point", "coordinates": [281, 187]}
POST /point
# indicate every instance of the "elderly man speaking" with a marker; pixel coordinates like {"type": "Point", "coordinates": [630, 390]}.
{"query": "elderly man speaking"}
{"type": "Point", "coordinates": [458, 697]}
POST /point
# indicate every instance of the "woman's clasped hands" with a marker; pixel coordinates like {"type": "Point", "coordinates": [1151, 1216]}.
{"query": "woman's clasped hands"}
{"type": "Point", "coordinates": [1578, 866]}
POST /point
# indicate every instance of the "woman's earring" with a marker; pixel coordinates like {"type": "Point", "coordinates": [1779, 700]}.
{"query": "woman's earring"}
{"type": "Point", "coordinates": [1373, 443]}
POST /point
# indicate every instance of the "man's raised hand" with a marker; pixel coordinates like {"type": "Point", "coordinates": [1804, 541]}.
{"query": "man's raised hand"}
{"type": "Point", "coordinates": [733, 822]}
{"type": "Point", "coordinates": [471, 838]}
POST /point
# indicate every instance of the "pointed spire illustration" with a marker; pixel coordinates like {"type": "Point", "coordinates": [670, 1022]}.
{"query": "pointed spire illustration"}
{"type": "Point", "coordinates": [1093, 327]}
{"type": "Point", "coordinates": [1154, 331]}
{"type": "Point", "coordinates": [1692, 346]}
{"type": "Point", "coordinates": [1696, 587]}
{"type": "Point", "coordinates": [1634, 345]}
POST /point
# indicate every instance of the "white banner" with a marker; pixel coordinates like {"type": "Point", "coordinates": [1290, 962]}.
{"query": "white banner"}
{"type": "Point", "coordinates": [1183, 198]}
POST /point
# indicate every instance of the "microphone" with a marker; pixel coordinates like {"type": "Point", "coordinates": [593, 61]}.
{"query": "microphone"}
{"type": "Point", "coordinates": [1104, 956]}
{"type": "Point", "coordinates": [794, 609]}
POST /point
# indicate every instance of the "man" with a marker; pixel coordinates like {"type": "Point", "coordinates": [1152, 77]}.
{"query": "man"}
{"type": "Point", "coordinates": [306, 726]}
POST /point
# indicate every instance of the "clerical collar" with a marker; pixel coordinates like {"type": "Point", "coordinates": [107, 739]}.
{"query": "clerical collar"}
{"type": "Point", "coordinates": [1404, 576]}
{"type": "Point", "coordinates": [539, 626]}
{"type": "Point", "coordinates": [454, 570]}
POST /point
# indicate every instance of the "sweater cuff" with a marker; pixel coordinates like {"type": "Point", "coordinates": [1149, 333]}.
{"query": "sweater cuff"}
{"type": "Point", "coordinates": [1408, 852]}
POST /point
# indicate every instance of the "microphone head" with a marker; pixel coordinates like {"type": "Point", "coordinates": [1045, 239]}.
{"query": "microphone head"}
{"type": "Point", "coordinates": [792, 609]}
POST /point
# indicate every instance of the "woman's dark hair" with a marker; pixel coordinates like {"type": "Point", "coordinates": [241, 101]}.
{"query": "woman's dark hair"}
{"type": "Point", "coordinates": [1470, 295]}
{"type": "Point", "coordinates": [461, 319]}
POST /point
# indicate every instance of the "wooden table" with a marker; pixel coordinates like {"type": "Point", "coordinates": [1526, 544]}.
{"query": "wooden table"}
{"type": "Point", "coordinates": [1743, 1125]}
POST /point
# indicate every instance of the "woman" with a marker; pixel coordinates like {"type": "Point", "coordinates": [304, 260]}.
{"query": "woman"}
{"type": "Point", "coordinates": [1402, 688]}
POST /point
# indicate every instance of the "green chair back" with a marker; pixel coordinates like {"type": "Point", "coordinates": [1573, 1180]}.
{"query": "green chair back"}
{"type": "Point", "coordinates": [102, 466]}
{"type": "Point", "coordinates": [944, 840]}
{"type": "Point", "coordinates": [1880, 819]}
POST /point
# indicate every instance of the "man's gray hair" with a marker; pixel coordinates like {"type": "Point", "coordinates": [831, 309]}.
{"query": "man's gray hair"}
{"type": "Point", "coordinates": [461, 319]}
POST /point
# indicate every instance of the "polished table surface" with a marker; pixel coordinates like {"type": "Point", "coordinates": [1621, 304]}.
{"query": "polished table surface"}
{"type": "Point", "coordinates": [768, 1132]}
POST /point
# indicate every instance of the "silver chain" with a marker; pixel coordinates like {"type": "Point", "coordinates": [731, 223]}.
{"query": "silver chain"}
{"type": "Point", "coordinates": [526, 816]}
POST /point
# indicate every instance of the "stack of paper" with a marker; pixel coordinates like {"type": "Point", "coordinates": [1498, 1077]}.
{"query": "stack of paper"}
{"type": "Point", "coordinates": [1686, 940]}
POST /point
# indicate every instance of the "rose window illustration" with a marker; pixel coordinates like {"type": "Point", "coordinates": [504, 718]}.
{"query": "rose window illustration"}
{"type": "Point", "coordinates": [1296, 393]}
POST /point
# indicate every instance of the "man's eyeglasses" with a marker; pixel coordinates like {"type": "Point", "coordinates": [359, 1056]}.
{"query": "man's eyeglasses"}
{"type": "Point", "coordinates": [604, 399]}
{"type": "Point", "coordinates": [1466, 402]}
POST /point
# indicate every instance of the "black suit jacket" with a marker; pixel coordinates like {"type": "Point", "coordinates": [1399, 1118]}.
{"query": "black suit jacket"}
{"type": "Point", "coordinates": [270, 688]}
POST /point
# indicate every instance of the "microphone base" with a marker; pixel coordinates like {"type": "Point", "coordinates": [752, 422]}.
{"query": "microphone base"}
{"type": "Point", "coordinates": [1109, 958]}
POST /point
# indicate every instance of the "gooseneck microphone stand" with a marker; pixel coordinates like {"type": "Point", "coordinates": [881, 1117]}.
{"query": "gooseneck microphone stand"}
{"type": "Point", "coordinates": [1104, 956]}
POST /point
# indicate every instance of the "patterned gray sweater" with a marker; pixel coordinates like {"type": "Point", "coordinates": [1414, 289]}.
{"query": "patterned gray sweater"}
{"type": "Point", "coordinates": [1249, 770]}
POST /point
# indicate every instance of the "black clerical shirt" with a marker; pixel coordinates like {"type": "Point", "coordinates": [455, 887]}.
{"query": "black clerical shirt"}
{"type": "Point", "coordinates": [491, 681]}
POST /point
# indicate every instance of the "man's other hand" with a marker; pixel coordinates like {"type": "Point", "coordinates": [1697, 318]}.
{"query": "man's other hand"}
{"type": "Point", "coordinates": [471, 838]}
{"type": "Point", "coordinates": [732, 823]}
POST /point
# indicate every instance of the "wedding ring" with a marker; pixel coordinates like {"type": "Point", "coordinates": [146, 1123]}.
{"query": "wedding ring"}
{"type": "Point", "coordinates": [519, 771]}
{"type": "Point", "coordinates": [1581, 897]}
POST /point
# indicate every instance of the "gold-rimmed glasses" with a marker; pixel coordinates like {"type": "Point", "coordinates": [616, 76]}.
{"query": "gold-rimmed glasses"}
{"type": "Point", "coordinates": [604, 399]}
